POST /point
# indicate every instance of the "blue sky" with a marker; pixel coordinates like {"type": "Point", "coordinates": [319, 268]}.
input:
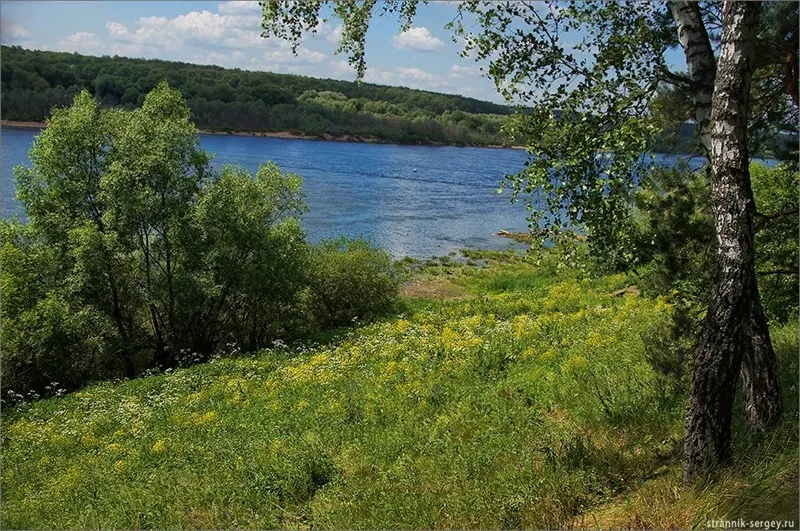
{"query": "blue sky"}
{"type": "Point", "coordinates": [228, 34]}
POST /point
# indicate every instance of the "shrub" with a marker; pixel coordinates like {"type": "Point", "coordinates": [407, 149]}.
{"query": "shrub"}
{"type": "Point", "coordinates": [675, 237]}
{"type": "Point", "coordinates": [46, 337]}
{"type": "Point", "coordinates": [352, 280]}
{"type": "Point", "coordinates": [775, 191]}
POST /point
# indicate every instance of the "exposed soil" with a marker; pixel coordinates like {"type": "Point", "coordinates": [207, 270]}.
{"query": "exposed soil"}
{"type": "Point", "coordinates": [434, 288]}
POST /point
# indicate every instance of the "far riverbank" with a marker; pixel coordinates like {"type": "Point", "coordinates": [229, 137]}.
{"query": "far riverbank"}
{"type": "Point", "coordinates": [365, 139]}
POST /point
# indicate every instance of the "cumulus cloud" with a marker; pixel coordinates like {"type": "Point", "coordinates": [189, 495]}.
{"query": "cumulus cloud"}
{"type": "Point", "coordinates": [239, 7]}
{"type": "Point", "coordinates": [458, 70]}
{"type": "Point", "coordinates": [406, 76]}
{"type": "Point", "coordinates": [202, 29]}
{"type": "Point", "coordinates": [81, 42]}
{"type": "Point", "coordinates": [334, 36]}
{"type": "Point", "coordinates": [417, 38]}
{"type": "Point", "coordinates": [284, 56]}
{"type": "Point", "coordinates": [16, 31]}
{"type": "Point", "coordinates": [342, 69]}
{"type": "Point", "coordinates": [235, 59]}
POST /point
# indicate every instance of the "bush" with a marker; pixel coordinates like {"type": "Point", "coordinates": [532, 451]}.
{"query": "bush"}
{"type": "Point", "coordinates": [351, 280]}
{"type": "Point", "coordinates": [45, 336]}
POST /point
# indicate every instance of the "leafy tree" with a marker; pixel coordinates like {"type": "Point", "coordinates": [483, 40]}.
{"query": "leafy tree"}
{"type": "Point", "coordinates": [251, 250]}
{"type": "Point", "coordinates": [136, 253]}
{"type": "Point", "coordinates": [589, 127]}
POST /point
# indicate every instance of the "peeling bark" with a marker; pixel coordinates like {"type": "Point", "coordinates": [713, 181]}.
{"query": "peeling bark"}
{"type": "Point", "coordinates": [733, 327]}
{"type": "Point", "coordinates": [759, 369]}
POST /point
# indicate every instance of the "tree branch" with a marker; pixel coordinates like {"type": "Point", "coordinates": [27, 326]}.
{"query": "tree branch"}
{"type": "Point", "coordinates": [778, 272]}
{"type": "Point", "coordinates": [779, 214]}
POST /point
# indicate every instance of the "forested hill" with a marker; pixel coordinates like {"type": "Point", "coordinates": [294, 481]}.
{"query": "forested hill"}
{"type": "Point", "coordinates": [235, 100]}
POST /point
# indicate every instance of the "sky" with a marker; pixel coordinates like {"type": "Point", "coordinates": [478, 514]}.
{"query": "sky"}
{"type": "Point", "coordinates": [228, 34]}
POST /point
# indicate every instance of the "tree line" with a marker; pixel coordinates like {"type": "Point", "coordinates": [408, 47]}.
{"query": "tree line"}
{"type": "Point", "coordinates": [223, 99]}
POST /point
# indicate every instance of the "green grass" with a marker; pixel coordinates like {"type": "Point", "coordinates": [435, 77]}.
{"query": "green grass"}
{"type": "Point", "coordinates": [526, 403]}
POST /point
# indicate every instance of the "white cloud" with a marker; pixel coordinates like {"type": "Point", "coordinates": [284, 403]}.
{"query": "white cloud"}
{"type": "Point", "coordinates": [458, 70]}
{"type": "Point", "coordinates": [81, 42]}
{"type": "Point", "coordinates": [343, 69]}
{"type": "Point", "coordinates": [419, 39]}
{"type": "Point", "coordinates": [16, 31]}
{"type": "Point", "coordinates": [416, 74]}
{"type": "Point", "coordinates": [238, 7]}
{"type": "Point", "coordinates": [201, 29]}
{"type": "Point", "coordinates": [407, 77]}
{"type": "Point", "coordinates": [285, 56]}
{"type": "Point", "coordinates": [335, 35]}
{"type": "Point", "coordinates": [282, 59]}
{"type": "Point", "coordinates": [227, 60]}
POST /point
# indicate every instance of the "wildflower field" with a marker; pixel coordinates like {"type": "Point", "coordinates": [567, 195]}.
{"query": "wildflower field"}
{"type": "Point", "coordinates": [522, 398]}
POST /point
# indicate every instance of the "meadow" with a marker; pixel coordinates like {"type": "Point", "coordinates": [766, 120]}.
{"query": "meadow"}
{"type": "Point", "coordinates": [505, 395]}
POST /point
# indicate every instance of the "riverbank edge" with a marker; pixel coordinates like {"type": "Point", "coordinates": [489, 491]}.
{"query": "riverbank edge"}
{"type": "Point", "coordinates": [363, 139]}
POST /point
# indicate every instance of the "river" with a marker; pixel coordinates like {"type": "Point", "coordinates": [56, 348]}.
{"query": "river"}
{"type": "Point", "coordinates": [419, 201]}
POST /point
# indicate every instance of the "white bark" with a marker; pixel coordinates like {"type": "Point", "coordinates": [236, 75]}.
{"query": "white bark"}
{"type": "Point", "coordinates": [700, 60]}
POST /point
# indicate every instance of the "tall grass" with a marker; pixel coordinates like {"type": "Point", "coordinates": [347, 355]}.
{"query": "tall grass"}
{"type": "Point", "coordinates": [523, 407]}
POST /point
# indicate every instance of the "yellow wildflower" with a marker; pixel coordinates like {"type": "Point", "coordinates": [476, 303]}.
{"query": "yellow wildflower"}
{"type": "Point", "coordinates": [159, 447]}
{"type": "Point", "coordinates": [575, 365]}
{"type": "Point", "coordinates": [204, 418]}
{"type": "Point", "coordinates": [547, 355]}
{"type": "Point", "coordinates": [450, 338]}
{"type": "Point", "coordinates": [401, 326]}
{"type": "Point", "coordinates": [89, 440]}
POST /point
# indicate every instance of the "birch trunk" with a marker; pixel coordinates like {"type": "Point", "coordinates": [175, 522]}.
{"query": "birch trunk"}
{"type": "Point", "coordinates": [762, 397]}
{"type": "Point", "coordinates": [701, 63]}
{"type": "Point", "coordinates": [728, 335]}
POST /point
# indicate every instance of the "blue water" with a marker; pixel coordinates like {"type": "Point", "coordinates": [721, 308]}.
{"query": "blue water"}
{"type": "Point", "coordinates": [416, 201]}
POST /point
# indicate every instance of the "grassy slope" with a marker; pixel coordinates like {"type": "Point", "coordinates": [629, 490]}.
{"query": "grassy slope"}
{"type": "Point", "coordinates": [520, 398]}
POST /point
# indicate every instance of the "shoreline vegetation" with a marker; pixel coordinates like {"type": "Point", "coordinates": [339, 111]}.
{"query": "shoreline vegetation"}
{"type": "Point", "coordinates": [289, 135]}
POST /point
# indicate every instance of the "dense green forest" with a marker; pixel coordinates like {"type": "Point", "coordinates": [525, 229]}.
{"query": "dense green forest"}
{"type": "Point", "coordinates": [235, 100]}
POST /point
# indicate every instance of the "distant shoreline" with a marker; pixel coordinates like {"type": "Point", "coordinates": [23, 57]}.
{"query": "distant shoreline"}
{"type": "Point", "coordinates": [21, 125]}
{"type": "Point", "coordinates": [284, 134]}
